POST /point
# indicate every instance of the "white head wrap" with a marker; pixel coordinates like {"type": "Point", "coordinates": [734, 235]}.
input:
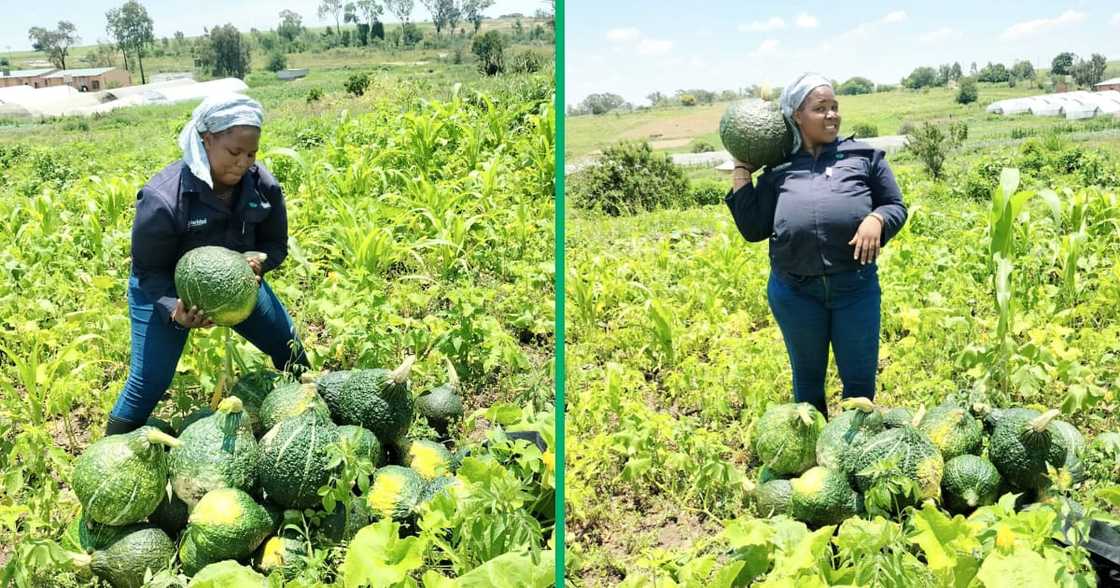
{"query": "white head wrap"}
{"type": "Point", "coordinates": [792, 97]}
{"type": "Point", "coordinates": [215, 114]}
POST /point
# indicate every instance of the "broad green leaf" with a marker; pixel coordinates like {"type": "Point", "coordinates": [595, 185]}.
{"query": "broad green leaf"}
{"type": "Point", "coordinates": [1009, 181]}
{"type": "Point", "coordinates": [511, 570]}
{"type": "Point", "coordinates": [947, 543]}
{"type": "Point", "coordinates": [727, 576]}
{"type": "Point", "coordinates": [379, 558]}
{"type": "Point", "coordinates": [807, 554]}
{"type": "Point", "coordinates": [860, 536]}
{"type": "Point", "coordinates": [1021, 567]}
{"type": "Point", "coordinates": [227, 574]}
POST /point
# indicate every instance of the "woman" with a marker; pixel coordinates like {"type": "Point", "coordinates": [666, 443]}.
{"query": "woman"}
{"type": "Point", "coordinates": [215, 195]}
{"type": "Point", "coordinates": [828, 210]}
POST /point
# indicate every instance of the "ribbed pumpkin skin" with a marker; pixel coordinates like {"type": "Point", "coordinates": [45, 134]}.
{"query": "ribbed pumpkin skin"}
{"type": "Point", "coordinates": [897, 417]}
{"type": "Point", "coordinates": [329, 387]}
{"type": "Point", "coordinates": [394, 492]}
{"type": "Point", "coordinates": [370, 398]}
{"type": "Point", "coordinates": [218, 451]}
{"type": "Point", "coordinates": [120, 479]}
{"type": "Point", "coordinates": [784, 442]}
{"type": "Point", "coordinates": [822, 497]}
{"type": "Point", "coordinates": [754, 131]}
{"type": "Point", "coordinates": [293, 460]}
{"type": "Point", "coordinates": [365, 442]}
{"type": "Point", "coordinates": [289, 400]}
{"type": "Point", "coordinates": [226, 524]}
{"type": "Point", "coordinates": [1021, 455]}
{"type": "Point", "coordinates": [912, 452]}
{"type": "Point", "coordinates": [1070, 439]}
{"type": "Point", "coordinates": [219, 281]}
{"type": "Point", "coordinates": [252, 388]}
{"type": "Point", "coordinates": [124, 562]}
{"type": "Point", "coordinates": [953, 431]}
{"type": "Point", "coordinates": [772, 498]}
{"type": "Point", "coordinates": [440, 405]}
{"type": "Point", "coordinates": [970, 481]}
{"type": "Point", "coordinates": [849, 428]}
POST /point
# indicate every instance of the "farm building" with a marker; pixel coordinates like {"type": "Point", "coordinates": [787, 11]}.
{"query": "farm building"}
{"type": "Point", "coordinates": [1071, 105]}
{"type": "Point", "coordinates": [1113, 84]}
{"type": "Point", "coordinates": [91, 79]}
{"type": "Point", "coordinates": [32, 78]}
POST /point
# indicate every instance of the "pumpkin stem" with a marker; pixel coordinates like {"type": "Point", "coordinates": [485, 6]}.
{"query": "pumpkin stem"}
{"type": "Point", "coordinates": [803, 412]}
{"type": "Point", "coordinates": [918, 416]}
{"type": "Point", "coordinates": [861, 403]}
{"type": "Point", "coordinates": [231, 404]}
{"type": "Point", "coordinates": [155, 435]}
{"type": "Point", "coordinates": [452, 375]}
{"type": "Point", "coordinates": [400, 375]}
{"type": "Point", "coordinates": [1039, 423]}
{"type": "Point", "coordinates": [80, 560]}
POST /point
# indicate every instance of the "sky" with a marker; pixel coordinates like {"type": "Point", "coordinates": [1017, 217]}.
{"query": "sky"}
{"type": "Point", "coordinates": [190, 17]}
{"type": "Point", "coordinates": [630, 48]}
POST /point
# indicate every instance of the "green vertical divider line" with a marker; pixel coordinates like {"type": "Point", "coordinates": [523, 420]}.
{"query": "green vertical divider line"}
{"type": "Point", "coordinates": [559, 370]}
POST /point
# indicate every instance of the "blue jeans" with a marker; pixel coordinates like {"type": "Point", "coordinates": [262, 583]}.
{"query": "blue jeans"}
{"type": "Point", "coordinates": [157, 345]}
{"type": "Point", "coordinates": [814, 311]}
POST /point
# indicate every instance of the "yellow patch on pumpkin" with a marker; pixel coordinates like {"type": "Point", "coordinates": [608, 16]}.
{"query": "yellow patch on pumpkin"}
{"type": "Point", "coordinates": [427, 462]}
{"type": "Point", "coordinates": [811, 482]}
{"type": "Point", "coordinates": [385, 494]}
{"type": "Point", "coordinates": [218, 507]}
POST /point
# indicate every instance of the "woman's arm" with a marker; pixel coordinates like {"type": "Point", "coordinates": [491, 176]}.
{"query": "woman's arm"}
{"type": "Point", "coordinates": [155, 245]}
{"type": "Point", "coordinates": [752, 207]}
{"type": "Point", "coordinates": [886, 197]}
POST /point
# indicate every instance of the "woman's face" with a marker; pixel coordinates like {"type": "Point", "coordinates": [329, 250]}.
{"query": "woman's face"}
{"type": "Point", "coordinates": [819, 116]}
{"type": "Point", "coordinates": [231, 153]}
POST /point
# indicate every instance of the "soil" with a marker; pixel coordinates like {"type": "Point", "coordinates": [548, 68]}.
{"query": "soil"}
{"type": "Point", "coordinates": [683, 128]}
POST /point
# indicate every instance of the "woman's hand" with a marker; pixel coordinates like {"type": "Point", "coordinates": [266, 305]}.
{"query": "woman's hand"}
{"type": "Point", "coordinates": [192, 318]}
{"type": "Point", "coordinates": [256, 265]}
{"type": "Point", "coordinates": [740, 174]}
{"type": "Point", "coordinates": [867, 239]}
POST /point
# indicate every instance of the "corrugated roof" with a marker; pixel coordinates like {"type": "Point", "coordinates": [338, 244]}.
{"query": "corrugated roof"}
{"type": "Point", "coordinates": [1108, 82]}
{"type": "Point", "coordinates": [85, 72]}
{"type": "Point", "coordinates": [27, 73]}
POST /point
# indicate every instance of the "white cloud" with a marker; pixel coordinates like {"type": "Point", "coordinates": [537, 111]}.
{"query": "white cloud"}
{"type": "Point", "coordinates": [942, 34]}
{"type": "Point", "coordinates": [623, 35]}
{"type": "Point", "coordinates": [767, 47]}
{"type": "Point", "coordinates": [654, 47]}
{"type": "Point", "coordinates": [1028, 28]}
{"type": "Point", "coordinates": [896, 16]}
{"type": "Point", "coordinates": [806, 21]}
{"type": "Point", "coordinates": [760, 26]}
{"type": "Point", "coordinates": [1115, 20]}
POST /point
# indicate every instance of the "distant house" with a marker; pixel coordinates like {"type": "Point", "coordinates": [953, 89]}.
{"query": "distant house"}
{"type": "Point", "coordinates": [24, 77]}
{"type": "Point", "coordinates": [1113, 84]}
{"type": "Point", "coordinates": [91, 79]}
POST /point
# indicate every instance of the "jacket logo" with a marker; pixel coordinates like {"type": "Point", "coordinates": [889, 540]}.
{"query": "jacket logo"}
{"type": "Point", "coordinates": [198, 222]}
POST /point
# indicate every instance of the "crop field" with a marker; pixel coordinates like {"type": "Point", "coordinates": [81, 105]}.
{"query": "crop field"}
{"type": "Point", "coordinates": [420, 223]}
{"type": "Point", "coordinates": [673, 355]}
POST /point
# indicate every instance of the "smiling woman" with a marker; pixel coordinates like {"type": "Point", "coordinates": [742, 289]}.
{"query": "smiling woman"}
{"type": "Point", "coordinates": [827, 209]}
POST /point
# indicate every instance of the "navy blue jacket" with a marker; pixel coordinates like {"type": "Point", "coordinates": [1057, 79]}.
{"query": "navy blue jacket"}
{"type": "Point", "coordinates": [176, 212]}
{"type": "Point", "coordinates": [810, 208]}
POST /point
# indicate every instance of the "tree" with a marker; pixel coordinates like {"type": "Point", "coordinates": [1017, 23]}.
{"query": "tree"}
{"type": "Point", "coordinates": [856, 85]}
{"type": "Point", "coordinates": [402, 9]}
{"type": "Point", "coordinates": [1062, 64]}
{"type": "Point", "coordinates": [655, 98]}
{"type": "Point", "coordinates": [131, 26]}
{"type": "Point", "coordinates": [331, 8]}
{"type": "Point", "coordinates": [371, 11]}
{"type": "Point", "coordinates": [972, 69]}
{"type": "Point", "coordinates": [472, 11]}
{"type": "Point", "coordinates": [994, 73]}
{"type": "Point", "coordinates": [921, 77]}
{"type": "Point", "coordinates": [602, 103]}
{"type": "Point", "coordinates": [1087, 73]}
{"type": "Point", "coordinates": [442, 11]}
{"type": "Point", "coordinates": [489, 50]}
{"type": "Point", "coordinates": [966, 92]}
{"type": "Point", "coordinates": [1023, 70]}
{"type": "Point", "coordinates": [943, 73]}
{"type": "Point", "coordinates": [955, 73]}
{"type": "Point", "coordinates": [224, 54]}
{"type": "Point", "coordinates": [291, 25]}
{"type": "Point", "coordinates": [56, 44]}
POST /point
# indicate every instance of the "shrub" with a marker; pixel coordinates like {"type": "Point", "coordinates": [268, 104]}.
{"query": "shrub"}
{"type": "Point", "coordinates": [277, 61]}
{"type": "Point", "coordinates": [410, 34]}
{"type": "Point", "coordinates": [865, 130]}
{"type": "Point", "coordinates": [688, 100]}
{"type": "Point", "coordinates": [526, 62]}
{"type": "Point", "coordinates": [357, 83]}
{"type": "Point", "coordinates": [708, 192]}
{"type": "Point", "coordinates": [702, 146]}
{"type": "Point", "coordinates": [314, 95]}
{"type": "Point", "coordinates": [488, 48]}
{"type": "Point", "coordinates": [931, 146]}
{"type": "Point", "coordinates": [966, 92]}
{"type": "Point", "coordinates": [630, 178]}
{"type": "Point", "coordinates": [906, 127]}
{"type": "Point", "coordinates": [958, 131]}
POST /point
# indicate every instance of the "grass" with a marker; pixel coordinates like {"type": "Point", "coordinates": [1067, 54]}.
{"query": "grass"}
{"type": "Point", "coordinates": [887, 111]}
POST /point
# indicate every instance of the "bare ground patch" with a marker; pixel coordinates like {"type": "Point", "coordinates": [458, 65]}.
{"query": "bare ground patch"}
{"type": "Point", "coordinates": [686, 127]}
